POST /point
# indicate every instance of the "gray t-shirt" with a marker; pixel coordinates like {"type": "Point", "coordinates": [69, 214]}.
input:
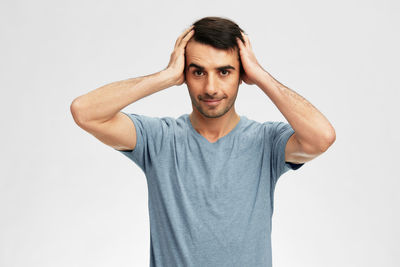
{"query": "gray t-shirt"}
{"type": "Point", "coordinates": [210, 204]}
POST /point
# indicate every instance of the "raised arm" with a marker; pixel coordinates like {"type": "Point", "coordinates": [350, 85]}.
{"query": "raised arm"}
{"type": "Point", "coordinates": [313, 134]}
{"type": "Point", "coordinates": [99, 111]}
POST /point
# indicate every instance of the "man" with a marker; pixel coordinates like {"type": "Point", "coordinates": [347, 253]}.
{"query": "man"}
{"type": "Point", "coordinates": [211, 174]}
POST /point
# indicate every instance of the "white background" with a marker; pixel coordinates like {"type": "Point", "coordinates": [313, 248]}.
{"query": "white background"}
{"type": "Point", "coordinates": [66, 199]}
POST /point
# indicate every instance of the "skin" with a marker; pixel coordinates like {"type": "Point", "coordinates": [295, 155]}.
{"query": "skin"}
{"type": "Point", "coordinates": [212, 74]}
{"type": "Point", "coordinates": [313, 132]}
{"type": "Point", "coordinates": [98, 112]}
{"type": "Point", "coordinates": [207, 81]}
{"type": "Point", "coordinates": [212, 122]}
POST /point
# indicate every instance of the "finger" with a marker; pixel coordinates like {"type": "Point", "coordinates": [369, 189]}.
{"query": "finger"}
{"type": "Point", "coordinates": [178, 41]}
{"type": "Point", "coordinates": [187, 38]}
{"type": "Point", "coordinates": [188, 33]}
{"type": "Point", "coordinates": [239, 43]}
{"type": "Point", "coordinates": [246, 39]}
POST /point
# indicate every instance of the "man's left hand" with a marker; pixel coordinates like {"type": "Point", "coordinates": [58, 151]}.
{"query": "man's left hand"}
{"type": "Point", "coordinates": [252, 69]}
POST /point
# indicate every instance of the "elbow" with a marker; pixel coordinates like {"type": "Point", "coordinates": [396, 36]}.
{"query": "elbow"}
{"type": "Point", "coordinates": [329, 139]}
{"type": "Point", "coordinates": [320, 144]}
{"type": "Point", "coordinates": [76, 111]}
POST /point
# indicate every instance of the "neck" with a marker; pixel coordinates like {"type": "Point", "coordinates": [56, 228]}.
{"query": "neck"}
{"type": "Point", "coordinates": [214, 128]}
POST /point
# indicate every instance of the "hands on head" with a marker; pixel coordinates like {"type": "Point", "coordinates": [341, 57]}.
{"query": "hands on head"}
{"type": "Point", "coordinates": [176, 64]}
{"type": "Point", "coordinates": [252, 69]}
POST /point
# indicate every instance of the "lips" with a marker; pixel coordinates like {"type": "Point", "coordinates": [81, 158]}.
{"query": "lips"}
{"type": "Point", "coordinates": [212, 100]}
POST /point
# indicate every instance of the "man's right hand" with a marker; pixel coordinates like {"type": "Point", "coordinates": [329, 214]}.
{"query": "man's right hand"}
{"type": "Point", "coordinates": [176, 65]}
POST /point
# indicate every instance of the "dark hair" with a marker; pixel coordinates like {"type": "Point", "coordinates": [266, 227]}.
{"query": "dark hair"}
{"type": "Point", "coordinates": [218, 32]}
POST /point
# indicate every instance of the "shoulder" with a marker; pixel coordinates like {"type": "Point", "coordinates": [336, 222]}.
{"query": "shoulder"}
{"type": "Point", "coordinates": [268, 128]}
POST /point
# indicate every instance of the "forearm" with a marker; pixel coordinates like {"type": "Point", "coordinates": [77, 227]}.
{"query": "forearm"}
{"type": "Point", "coordinates": [104, 103]}
{"type": "Point", "coordinates": [312, 129]}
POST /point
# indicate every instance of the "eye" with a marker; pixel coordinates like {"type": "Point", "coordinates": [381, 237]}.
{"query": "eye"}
{"type": "Point", "coordinates": [226, 72]}
{"type": "Point", "coordinates": [196, 72]}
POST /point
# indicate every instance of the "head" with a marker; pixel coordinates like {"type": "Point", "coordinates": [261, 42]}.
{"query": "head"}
{"type": "Point", "coordinates": [212, 66]}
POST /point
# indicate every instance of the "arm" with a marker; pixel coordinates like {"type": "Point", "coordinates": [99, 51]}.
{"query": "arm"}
{"type": "Point", "coordinates": [313, 132]}
{"type": "Point", "coordinates": [102, 104]}
{"type": "Point", "coordinates": [98, 112]}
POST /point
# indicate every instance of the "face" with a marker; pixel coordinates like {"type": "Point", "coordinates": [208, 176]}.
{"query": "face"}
{"type": "Point", "coordinates": [211, 74]}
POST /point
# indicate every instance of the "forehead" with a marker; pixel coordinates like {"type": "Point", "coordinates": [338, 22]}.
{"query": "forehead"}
{"type": "Point", "coordinates": [209, 56]}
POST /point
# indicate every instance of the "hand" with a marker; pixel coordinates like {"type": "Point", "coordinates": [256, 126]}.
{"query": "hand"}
{"type": "Point", "coordinates": [252, 69]}
{"type": "Point", "coordinates": [176, 63]}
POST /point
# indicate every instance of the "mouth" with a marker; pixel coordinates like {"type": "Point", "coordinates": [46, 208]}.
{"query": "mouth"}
{"type": "Point", "coordinates": [212, 102]}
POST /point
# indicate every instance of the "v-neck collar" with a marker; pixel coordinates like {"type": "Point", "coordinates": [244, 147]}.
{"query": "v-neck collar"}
{"type": "Point", "coordinates": [204, 140]}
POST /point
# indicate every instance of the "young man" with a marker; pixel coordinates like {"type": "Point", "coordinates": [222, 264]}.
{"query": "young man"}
{"type": "Point", "coordinates": [211, 174]}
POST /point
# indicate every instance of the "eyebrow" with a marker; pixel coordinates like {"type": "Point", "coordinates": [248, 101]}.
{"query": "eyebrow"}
{"type": "Point", "coordinates": [218, 68]}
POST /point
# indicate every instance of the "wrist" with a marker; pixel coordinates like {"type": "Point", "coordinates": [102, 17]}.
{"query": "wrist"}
{"type": "Point", "coordinates": [262, 76]}
{"type": "Point", "coordinates": [170, 76]}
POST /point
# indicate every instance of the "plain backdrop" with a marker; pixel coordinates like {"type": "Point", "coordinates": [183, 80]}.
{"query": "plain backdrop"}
{"type": "Point", "coordinates": [66, 199]}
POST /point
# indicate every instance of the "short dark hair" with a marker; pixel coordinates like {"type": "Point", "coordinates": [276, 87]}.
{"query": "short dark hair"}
{"type": "Point", "coordinates": [218, 32]}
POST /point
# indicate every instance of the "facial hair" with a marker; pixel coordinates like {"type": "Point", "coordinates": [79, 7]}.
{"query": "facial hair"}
{"type": "Point", "coordinates": [205, 113]}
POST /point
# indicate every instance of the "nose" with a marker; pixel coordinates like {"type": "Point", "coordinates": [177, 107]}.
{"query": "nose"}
{"type": "Point", "coordinates": [211, 85]}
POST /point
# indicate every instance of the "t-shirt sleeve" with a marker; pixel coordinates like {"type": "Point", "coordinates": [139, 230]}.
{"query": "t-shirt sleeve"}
{"type": "Point", "coordinates": [151, 133]}
{"type": "Point", "coordinates": [279, 134]}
